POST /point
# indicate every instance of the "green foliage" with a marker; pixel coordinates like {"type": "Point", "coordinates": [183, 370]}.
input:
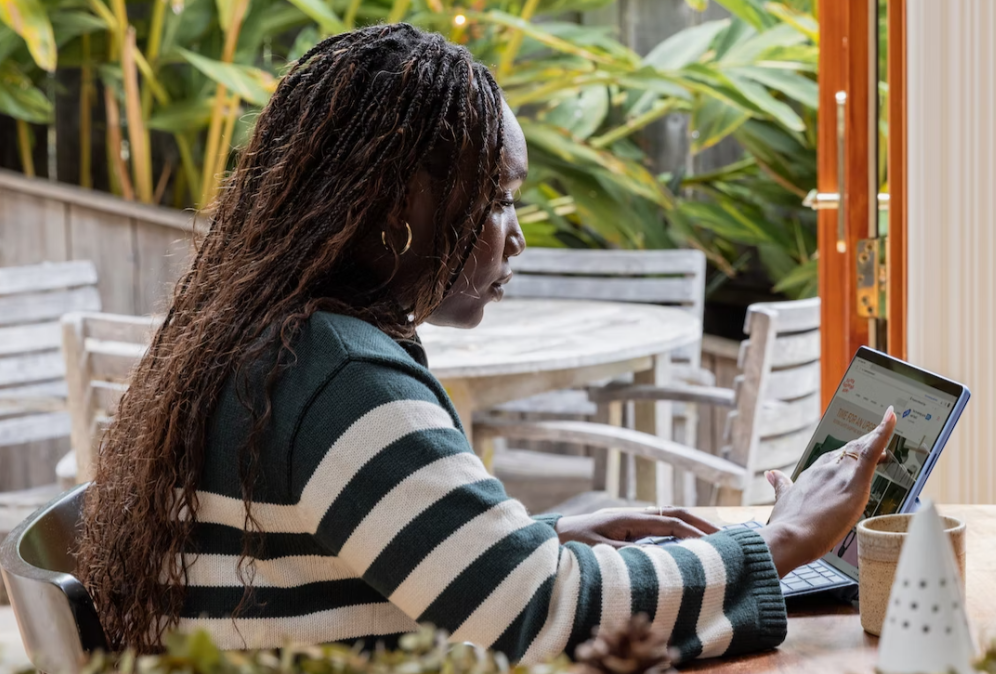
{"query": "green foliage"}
{"type": "Point", "coordinates": [424, 652]}
{"type": "Point", "coordinates": [583, 98]}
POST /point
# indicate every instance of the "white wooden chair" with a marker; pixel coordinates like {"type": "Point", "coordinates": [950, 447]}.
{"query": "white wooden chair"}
{"type": "Point", "coordinates": [667, 277]}
{"type": "Point", "coordinates": [775, 407]}
{"type": "Point", "coordinates": [34, 424]}
{"type": "Point", "coordinates": [100, 350]}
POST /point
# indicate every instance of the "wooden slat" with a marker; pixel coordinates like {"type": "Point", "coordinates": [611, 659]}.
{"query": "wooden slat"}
{"type": "Point", "coordinates": [119, 328]}
{"type": "Point", "coordinates": [609, 262]}
{"type": "Point", "coordinates": [647, 290]}
{"type": "Point", "coordinates": [31, 368]}
{"type": "Point", "coordinates": [783, 450]}
{"type": "Point", "coordinates": [28, 338]}
{"type": "Point", "coordinates": [162, 256]}
{"type": "Point", "coordinates": [22, 430]}
{"type": "Point", "coordinates": [796, 349]}
{"type": "Point", "coordinates": [783, 418]}
{"type": "Point", "coordinates": [705, 466]}
{"type": "Point", "coordinates": [793, 383]}
{"type": "Point", "coordinates": [45, 397]}
{"type": "Point", "coordinates": [796, 316]}
{"type": "Point", "coordinates": [32, 227]}
{"type": "Point", "coordinates": [107, 240]}
{"type": "Point", "coordinates": [107, 395]}
{"type": "Point", "coordinates": [61, 194]}
{"type": "Point", "coordinates": [35, 307]}
{"type": "Point", "coordinates": [47, 276]}
{"type": "Point", "coordinates": [112, 361]}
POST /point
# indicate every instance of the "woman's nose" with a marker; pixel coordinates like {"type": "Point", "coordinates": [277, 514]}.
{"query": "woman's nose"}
{"type": "Point", "coordinates": [515, 242]}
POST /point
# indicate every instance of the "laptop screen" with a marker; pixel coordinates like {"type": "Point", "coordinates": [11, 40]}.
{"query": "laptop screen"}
{"type": "Point", "coordinates": [865, 393]}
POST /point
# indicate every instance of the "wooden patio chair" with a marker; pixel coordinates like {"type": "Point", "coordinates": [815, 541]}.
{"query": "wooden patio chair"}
{"type": "Point", "coordinates": [775, 407]}
{"type": "Point", "coordinates": [100, 350]}
{"type": "Point", "coordinates": [667, 277]}
{"type": "Point", "coordinates": [34, 424]}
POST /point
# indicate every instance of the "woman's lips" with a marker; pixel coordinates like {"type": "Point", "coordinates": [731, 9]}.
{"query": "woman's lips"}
{"type": "Point", "coordinates": [498, 287]}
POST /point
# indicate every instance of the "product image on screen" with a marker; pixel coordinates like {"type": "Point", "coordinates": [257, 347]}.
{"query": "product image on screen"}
{"type": "Point", "coordinates": [863, 397]}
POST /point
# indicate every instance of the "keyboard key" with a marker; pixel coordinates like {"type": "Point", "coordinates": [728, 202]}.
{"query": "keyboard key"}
{"type": "Point", "coordinates": [820, 581]}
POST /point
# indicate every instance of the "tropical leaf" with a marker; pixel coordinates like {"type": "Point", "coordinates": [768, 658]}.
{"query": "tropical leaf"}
{"type": "Point", "coordinates": [749, 51]}
{"type": "Point", "coordinates": [762, 98]}
{"type": "Point", "coordinates": [20, 99]}
{"type": "Point", "coordinates": [183, 117]}
{"type": "Point", "coordinates": [67, 24]}
{"type": "Point", "coordinates": [685, 47]}
{"type": "Point", "coordinates": [800, 282]}
{"type": "Point", "coordinates": [803, 22]}
{"type": "Point", "coordinates": [252, 84]}
{"type": "Point", "coordinates": [581, 114]}
{"type": "Point", "coordinates": [795, 86]}
{"type": "Point", "coordinates": [750, 11]}
{"type": "Point", "coordinates": [29, 20]}
{"type": "Point", "coordinates": [9, 42]}
{"type": "Point", "coordinates": [712, 121]}
{"type": "Point", "coordinates": [304, 41]}
{"type": "Point", "coordinates": [725, 221]}
{"type": "Point", "coordinates": [320, 13]}
{"type": "Point", "coordinates": [737, 32]}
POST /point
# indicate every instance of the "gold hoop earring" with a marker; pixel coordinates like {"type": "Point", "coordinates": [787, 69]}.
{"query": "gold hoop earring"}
{"type": "Point", "coordinates": [408, 243]}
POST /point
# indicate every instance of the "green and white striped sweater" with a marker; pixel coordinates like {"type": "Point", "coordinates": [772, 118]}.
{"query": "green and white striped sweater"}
{"type": "Point", "coordinates": [376, 515]}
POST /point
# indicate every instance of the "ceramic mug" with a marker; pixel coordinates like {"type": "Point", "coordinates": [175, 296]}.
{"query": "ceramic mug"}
{"type": "Point", "coordinates": [880, 540]}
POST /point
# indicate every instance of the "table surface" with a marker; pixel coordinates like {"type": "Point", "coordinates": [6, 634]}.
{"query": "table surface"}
{"type": "Point", "coordinates": [520, 336]}
{"type": "Point", "coordinates": [825, 637]}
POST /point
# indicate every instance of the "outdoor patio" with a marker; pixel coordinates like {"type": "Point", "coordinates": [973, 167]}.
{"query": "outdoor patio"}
{"type": "Point", "coordinates": [703, 262]}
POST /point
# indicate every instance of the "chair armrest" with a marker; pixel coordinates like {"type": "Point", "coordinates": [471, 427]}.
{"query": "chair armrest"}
{"type": "Point", "coordinates": [703, 395]}
{"type": "Point", "coordinates": [703, 465]}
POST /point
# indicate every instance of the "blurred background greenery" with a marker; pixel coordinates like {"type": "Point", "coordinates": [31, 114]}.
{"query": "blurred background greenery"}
{"type": "Point", "coordinates": [163, 90]}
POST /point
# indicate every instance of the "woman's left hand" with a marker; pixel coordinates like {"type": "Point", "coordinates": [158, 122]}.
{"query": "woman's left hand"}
{"type": "Point", "coordinates": [620, 528]}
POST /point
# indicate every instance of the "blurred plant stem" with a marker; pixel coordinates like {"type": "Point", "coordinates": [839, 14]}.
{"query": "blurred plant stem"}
{"type": "Point", "coordinates": [515, 42]}
{"type": "Point", "coordinates": [210, 179]}
{"type": "Point", "coordinates": [24, 147]}
{"type": "Point", "coordinates": [86, 114]}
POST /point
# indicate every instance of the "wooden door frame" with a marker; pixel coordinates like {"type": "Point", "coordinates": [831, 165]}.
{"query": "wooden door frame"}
{"type": "Point", "coordinates": [897, 284]}
{"type": "Point", "coordinates": [847, 63]}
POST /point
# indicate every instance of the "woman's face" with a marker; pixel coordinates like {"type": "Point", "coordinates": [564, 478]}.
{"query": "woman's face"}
{"type": "Point", "coordinates": [487, 269]}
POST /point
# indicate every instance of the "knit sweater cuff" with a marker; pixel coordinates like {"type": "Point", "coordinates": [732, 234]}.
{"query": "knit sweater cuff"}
{"type": "Point", "coordinates": [548, 518]}
{"type": "Point", "coordinates": [762, 584]}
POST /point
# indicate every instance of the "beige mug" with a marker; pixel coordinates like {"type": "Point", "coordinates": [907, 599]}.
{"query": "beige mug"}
{"type": "Point", "coordinates": [880, 540]}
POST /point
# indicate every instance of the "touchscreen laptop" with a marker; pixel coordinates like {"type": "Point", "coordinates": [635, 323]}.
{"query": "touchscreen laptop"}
{"type": "Point", "coordinates": [927, 408]}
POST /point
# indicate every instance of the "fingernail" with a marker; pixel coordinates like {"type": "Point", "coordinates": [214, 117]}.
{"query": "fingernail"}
{"type": "Point", "coordinates": [768, 476]}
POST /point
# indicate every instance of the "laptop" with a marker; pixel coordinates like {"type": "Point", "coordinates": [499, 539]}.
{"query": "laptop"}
{"type": "Point", "coordinates": [927, 408]}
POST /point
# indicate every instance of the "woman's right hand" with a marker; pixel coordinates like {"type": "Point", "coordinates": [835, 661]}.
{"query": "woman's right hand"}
{"type": "Point", "coordinates": [823, 505]}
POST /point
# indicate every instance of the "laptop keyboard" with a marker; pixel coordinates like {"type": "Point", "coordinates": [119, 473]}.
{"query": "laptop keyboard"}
{"type": "Point", "coordinates": [813, 576]}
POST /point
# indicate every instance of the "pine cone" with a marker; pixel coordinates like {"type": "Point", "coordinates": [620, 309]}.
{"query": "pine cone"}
{"type": "Point", "coordinates": [638, 647]}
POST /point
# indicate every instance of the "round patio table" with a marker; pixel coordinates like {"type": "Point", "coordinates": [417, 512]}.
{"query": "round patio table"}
{"type": "Point", "coordinates": [524, 347]}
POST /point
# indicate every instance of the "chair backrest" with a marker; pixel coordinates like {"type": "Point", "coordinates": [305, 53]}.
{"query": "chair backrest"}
{"type": "Point", "coordinates": [777, 403]}
{"type": "Point", "coordinates": [670, 277]}
{"type": "Point", "coordinates": [100, 352]}
{"type": "Point", "coordinates": [55, 614]}
{"type": "Point", "coordinates": [32, 372]}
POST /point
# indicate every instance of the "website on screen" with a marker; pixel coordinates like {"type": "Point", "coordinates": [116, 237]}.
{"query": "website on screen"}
{"type": "Point", "coordinates": [863, 396]}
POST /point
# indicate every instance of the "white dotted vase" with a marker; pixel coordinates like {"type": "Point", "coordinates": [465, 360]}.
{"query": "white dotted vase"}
{"type": "Point", "coordinates": [926, 627]}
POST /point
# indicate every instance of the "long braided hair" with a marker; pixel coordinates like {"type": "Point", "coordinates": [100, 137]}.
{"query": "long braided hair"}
{"type": "Point", "coordinates": [330, 161]}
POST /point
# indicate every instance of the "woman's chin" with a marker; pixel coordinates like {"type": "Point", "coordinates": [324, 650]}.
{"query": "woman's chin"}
{"type": "Point", "coordinates": [466, 316]}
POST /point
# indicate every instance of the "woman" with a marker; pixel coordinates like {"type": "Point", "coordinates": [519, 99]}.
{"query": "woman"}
{"type": "Point", "coordinates": [285, 467]}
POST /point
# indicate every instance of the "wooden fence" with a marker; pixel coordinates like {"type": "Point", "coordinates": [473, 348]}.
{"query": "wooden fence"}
{"type": "Point", "coordinates": [139, 250]}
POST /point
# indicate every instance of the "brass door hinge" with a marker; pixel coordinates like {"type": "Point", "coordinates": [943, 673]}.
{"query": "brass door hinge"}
{"type": "Point", "coordinates": [873, 276]}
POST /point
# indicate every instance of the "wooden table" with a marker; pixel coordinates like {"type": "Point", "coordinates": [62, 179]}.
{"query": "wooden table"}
{"type": "Point", "coordinates": [525, 347]}
{"type": "Point", "coordinates": [825, 637]}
